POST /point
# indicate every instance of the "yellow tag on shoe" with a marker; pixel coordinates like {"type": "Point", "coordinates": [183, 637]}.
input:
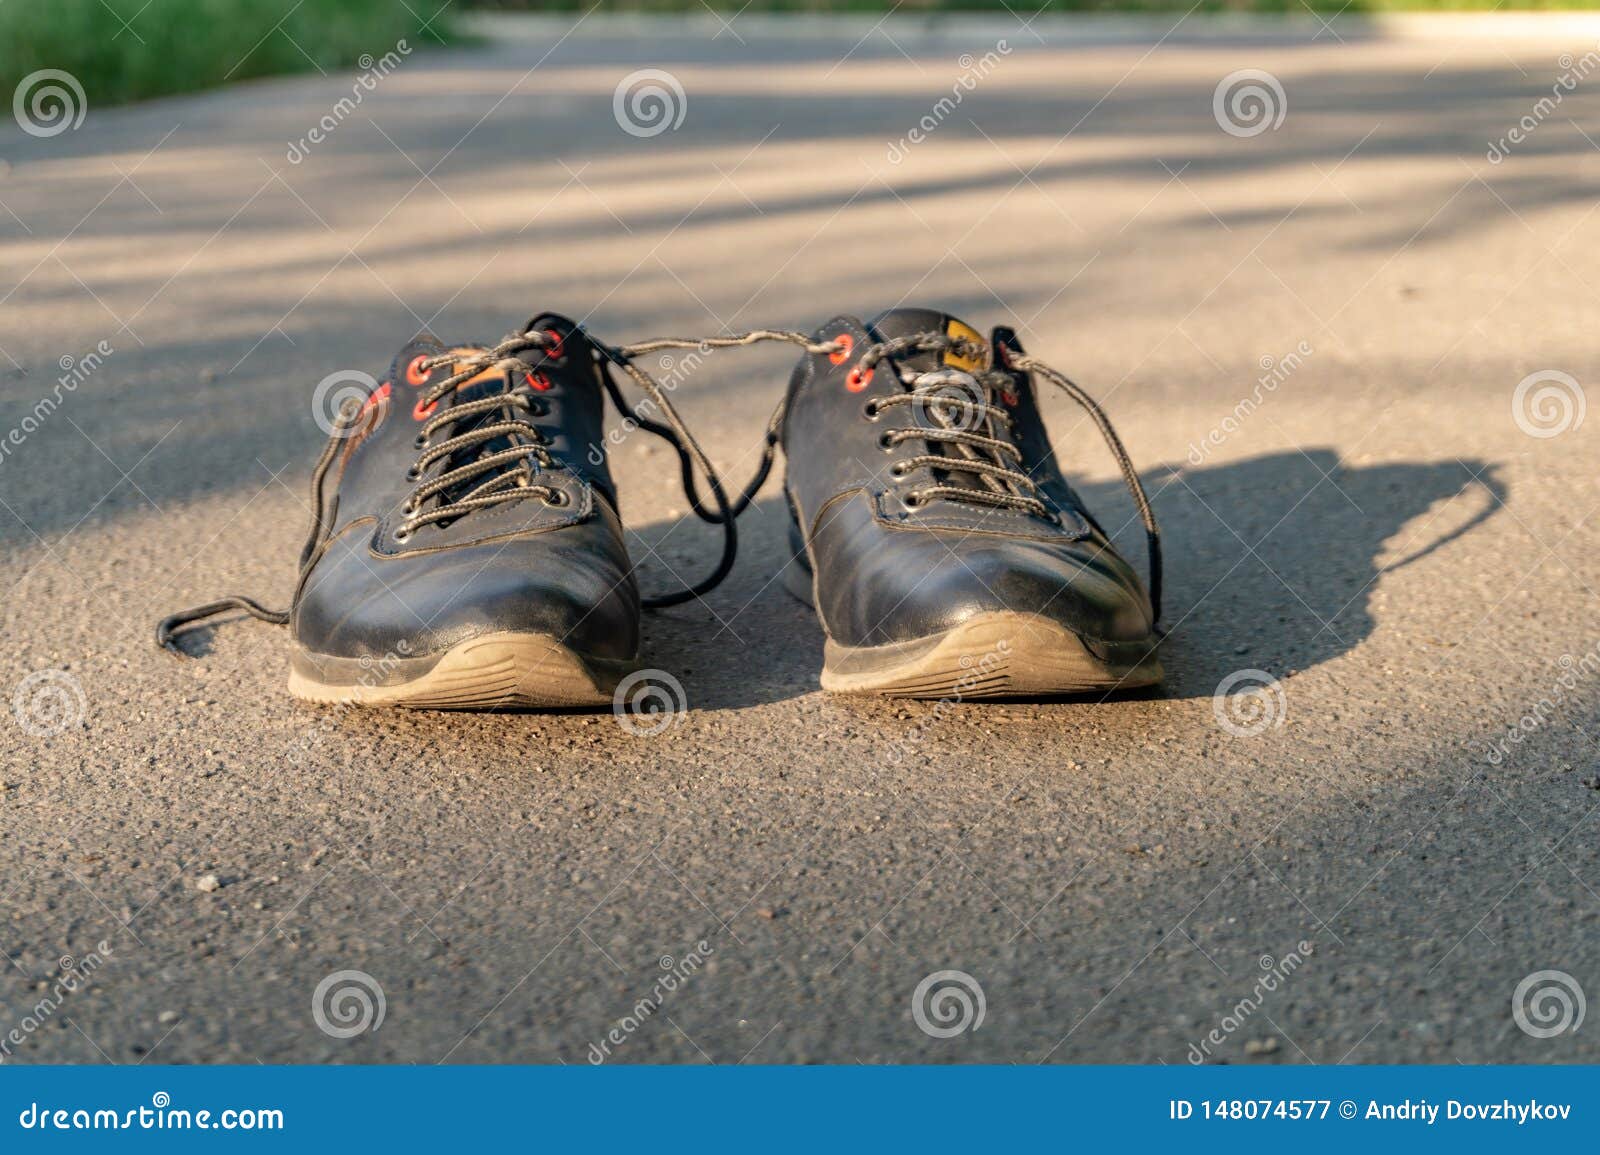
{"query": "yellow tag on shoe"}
{"type": "Point", "coordinates": [955, 329]}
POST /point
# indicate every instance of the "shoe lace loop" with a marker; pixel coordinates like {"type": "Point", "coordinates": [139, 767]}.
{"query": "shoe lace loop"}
{"type": "Point", "coordinates": [981, 435]}
{"type": "Point", "coordinates": [508, 473]}
{"type": "Point", "coordinates": [958, 410]}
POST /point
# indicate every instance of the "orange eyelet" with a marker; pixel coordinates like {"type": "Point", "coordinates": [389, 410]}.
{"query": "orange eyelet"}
{"type": "Point", "coordinates": [381, 393]}
{"type": "Point", "coordinates": [415, 373]}
{"type": "Point", "coordinates": [1009, 398]}
{"type": "Point", "coordinates": [846, 343]}
{"type": "Point", "coordinates": [554, 352]}
{"type": "Point", "coordinates": [857, 380]}
{"type": "Point", "coordinates": [422, 412]}
{"type": "Point", "coordinates": [538, 381]}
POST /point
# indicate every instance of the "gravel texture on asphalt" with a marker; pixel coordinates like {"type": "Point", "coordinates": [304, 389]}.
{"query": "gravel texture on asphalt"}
{"type": "Point", "coordinates": [1311, 338]}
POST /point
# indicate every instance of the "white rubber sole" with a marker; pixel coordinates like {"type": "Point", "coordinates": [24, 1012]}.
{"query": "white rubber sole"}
{"type": "Point", "coordinates": [992, 655]}
{"type": "Point", "coordinates": [504, 671]}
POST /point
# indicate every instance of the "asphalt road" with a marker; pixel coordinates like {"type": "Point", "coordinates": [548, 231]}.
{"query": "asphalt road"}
{"type": "Point", "coordinates": [1390, 537]}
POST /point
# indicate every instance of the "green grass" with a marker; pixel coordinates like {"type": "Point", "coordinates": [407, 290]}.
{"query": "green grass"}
{"type": "Point", "coordinates": [179, 45]}
{"type": "Point", "coordinates": [171, 46]}
{"type": "Point", "coordinates": [1028, 7]}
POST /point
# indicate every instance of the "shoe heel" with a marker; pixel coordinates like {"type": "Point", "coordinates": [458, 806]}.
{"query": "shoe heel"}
{"type": "Point", "coordinates": [796, 577]}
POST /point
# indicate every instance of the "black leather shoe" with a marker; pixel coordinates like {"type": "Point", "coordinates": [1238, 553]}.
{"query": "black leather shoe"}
{"type": "Point", "coordinates": [944, 552]}
{"type": "Point", "coordinates": [466, 551]}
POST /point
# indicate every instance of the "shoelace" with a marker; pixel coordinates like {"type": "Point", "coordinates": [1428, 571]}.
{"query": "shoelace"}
{"type": "Point", "coordinates": [990, 456]}
{"type": "Point", "coordinates": [985, 451]}
{"type": "Point", "coordinates": [510, 469]}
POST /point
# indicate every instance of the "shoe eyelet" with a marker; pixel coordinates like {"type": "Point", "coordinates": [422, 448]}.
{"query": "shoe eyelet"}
{"type": "Point", "coordinates": [402, 535]}
{"type": "Point", "coordinates": [538, 381]}
{"type": "Point", "coordinates": [857, 380]}
{"type": "Point", "coordinates": [422, 412]}
{"type": "Point", "coordinates": [556, 498]}
{"type": "Point", "coordinates": [556, 351]}
{"type": "Point", "coordinates": [413, 474]}
{"type": "Point", "coordinates": [897, 470]}
{"type": "Point", "coordinates": [421, 442]}
{"type": "Point", "coordinates": [912, 501]}
{"type": "Point", "coordinates": [842, 354]}
{"type": "Point", "coordinates": [887, 442]}
{"type": "Point", "coordinates": [415, 373]}
{"type": "Point", "coordinates": [871, 411]}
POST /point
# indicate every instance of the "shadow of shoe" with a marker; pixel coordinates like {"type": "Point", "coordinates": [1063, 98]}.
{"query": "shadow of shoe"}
{"type": "Point", "coordinates": [1272, 564]}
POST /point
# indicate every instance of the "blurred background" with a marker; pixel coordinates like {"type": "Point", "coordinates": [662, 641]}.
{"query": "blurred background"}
{"type": "Point", "coordinates": [181, 45]}
{"type": "Point", "coordinates": [1329, 268]}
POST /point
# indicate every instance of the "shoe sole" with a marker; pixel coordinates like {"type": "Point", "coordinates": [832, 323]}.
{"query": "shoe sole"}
{"type": "Point", "coordinates": [504, 671]}
{"type": "Point", "coordinates": [1001, 654]}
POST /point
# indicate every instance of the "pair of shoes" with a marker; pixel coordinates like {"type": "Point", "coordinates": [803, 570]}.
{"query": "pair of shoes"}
{"type": "Point", "coordinates": [465, 550]}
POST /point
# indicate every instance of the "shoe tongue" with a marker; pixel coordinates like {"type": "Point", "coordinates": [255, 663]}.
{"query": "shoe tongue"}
{"type": "Point", "coordinates": [912, 321]}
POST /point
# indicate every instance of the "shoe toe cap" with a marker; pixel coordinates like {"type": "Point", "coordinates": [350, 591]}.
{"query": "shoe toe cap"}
{"type": "Point", "coordinates": [358, 605]}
